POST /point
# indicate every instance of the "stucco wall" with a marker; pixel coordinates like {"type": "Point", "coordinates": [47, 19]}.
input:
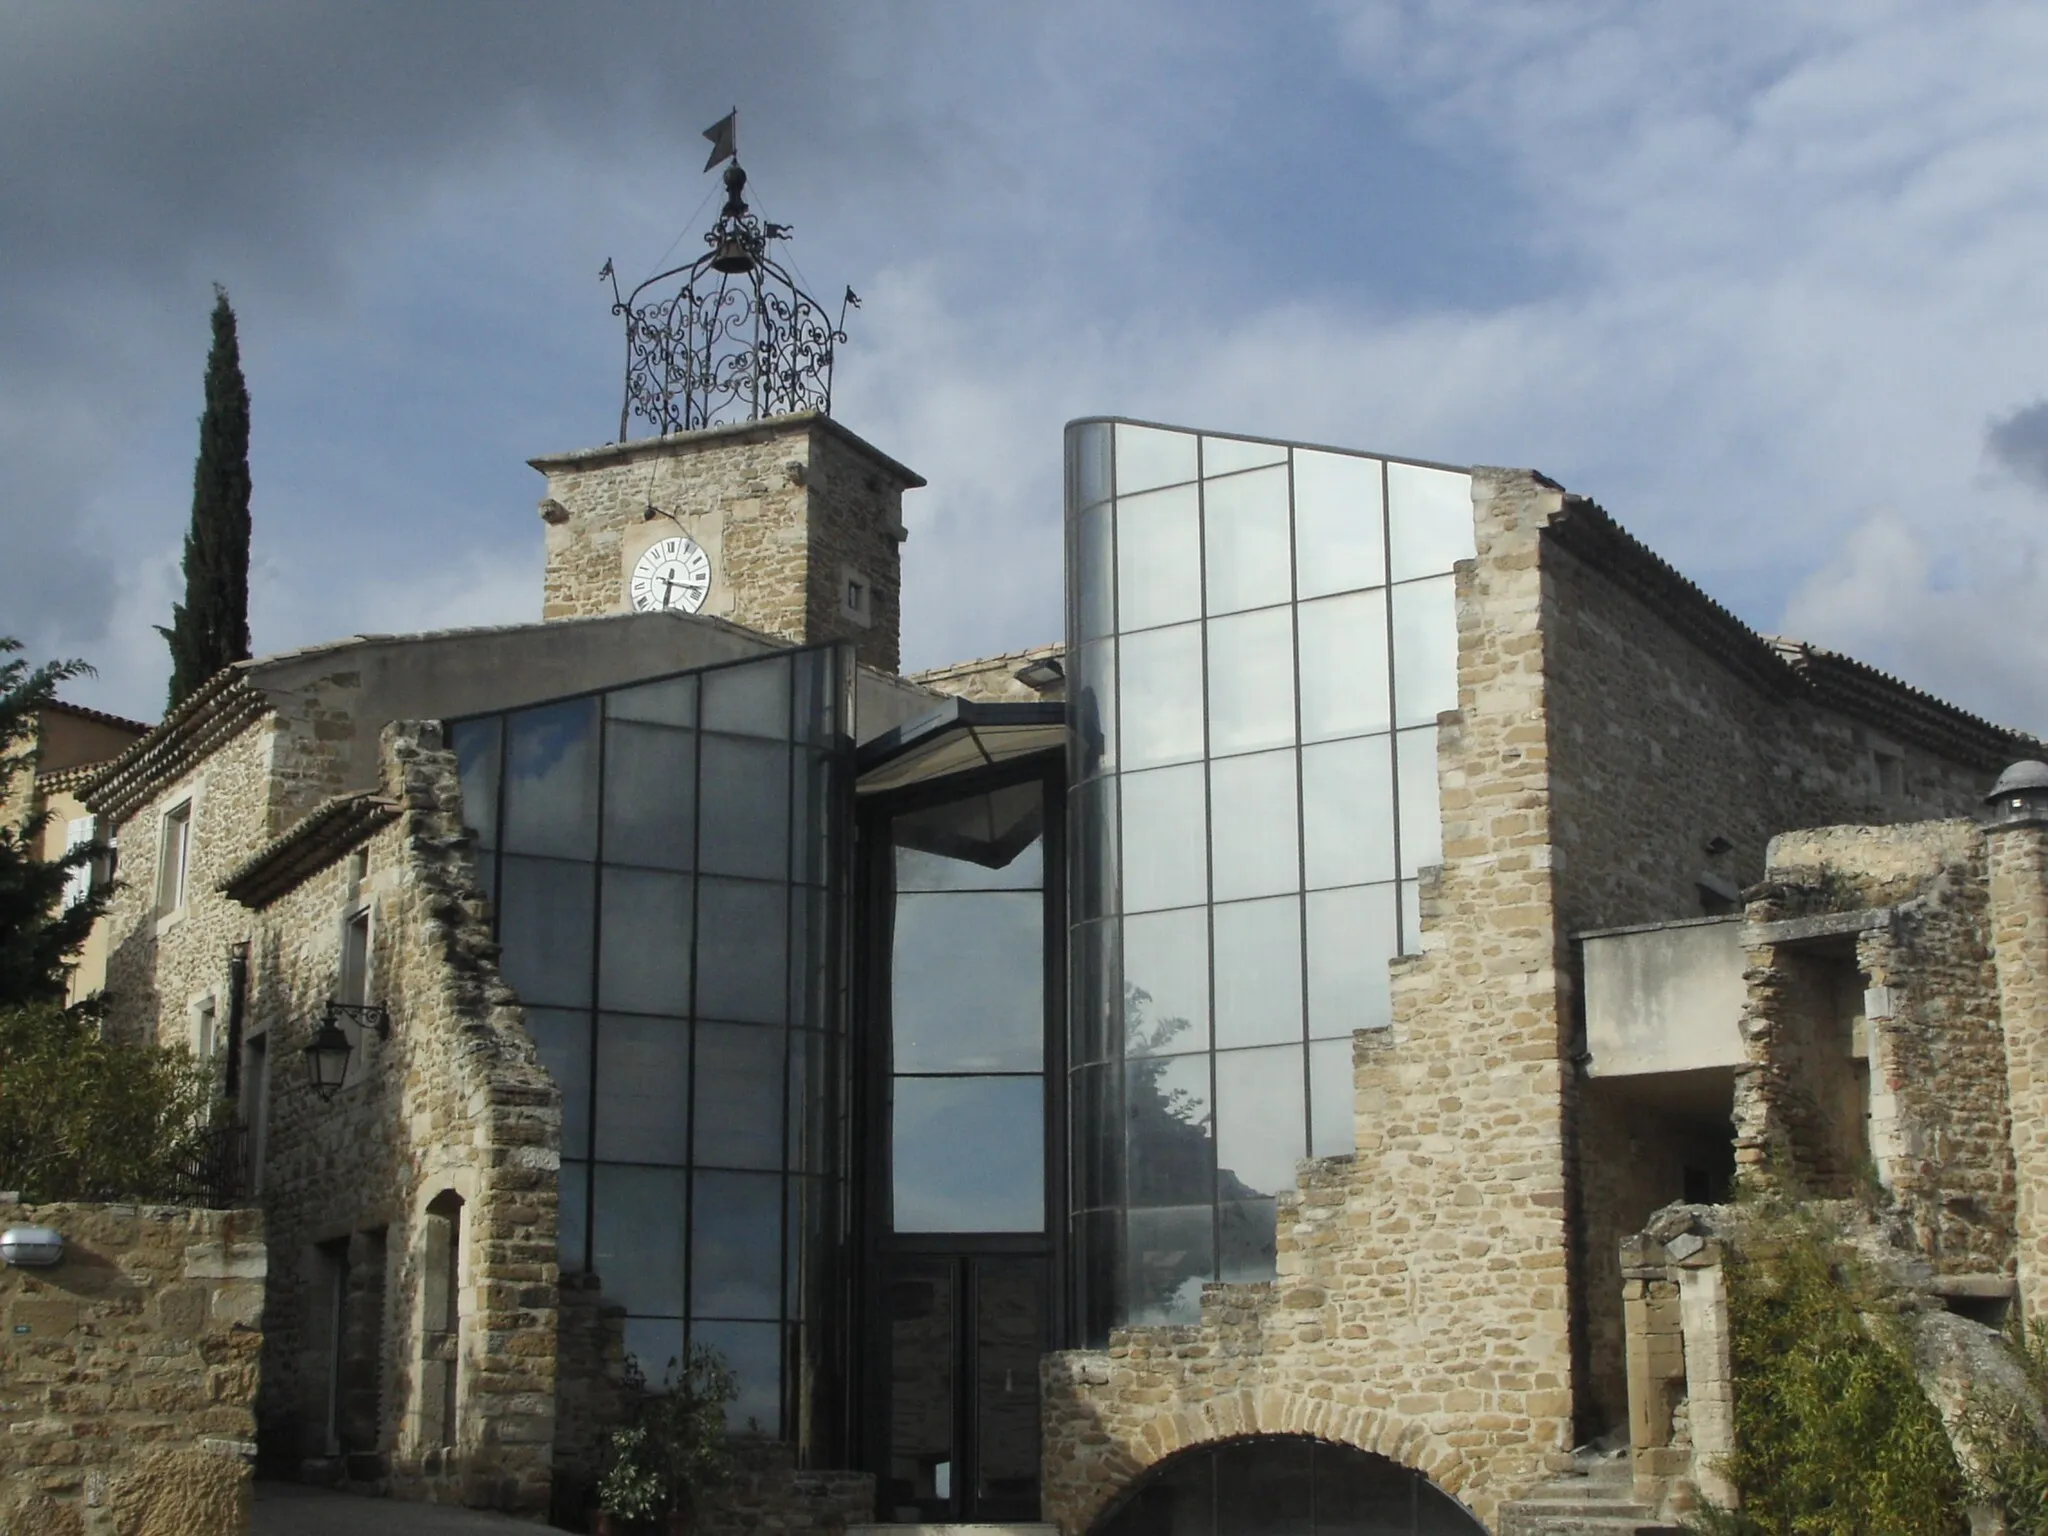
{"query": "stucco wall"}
{"type": "Point", "coordinates": [128, 1373]}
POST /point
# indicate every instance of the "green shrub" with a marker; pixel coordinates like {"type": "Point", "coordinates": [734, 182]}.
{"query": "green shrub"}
{"type": "Point", "coordinates": [2014, 1474]}
{"type": "Point", "coordinates": [82, 1119]}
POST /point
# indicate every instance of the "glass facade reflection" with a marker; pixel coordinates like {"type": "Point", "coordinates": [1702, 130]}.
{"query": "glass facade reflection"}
{"type": "Point", "coordinates": [660, 862]}
{"type": "Point", "coordinates": [1260, 638]}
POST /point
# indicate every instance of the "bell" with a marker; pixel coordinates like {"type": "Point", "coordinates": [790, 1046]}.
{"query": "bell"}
{"type": "Point", "coordinates": [732, 255]}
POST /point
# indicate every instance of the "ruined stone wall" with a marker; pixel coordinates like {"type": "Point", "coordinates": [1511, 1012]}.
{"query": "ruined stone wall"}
{"type": "Point", "coordinates": [1421, 1309]}
{"type": "Point", "coordinates": [2019, 918]}
{"type": "Point", "coordinates": [128, 1373]}
{"type": "Point", "coordinates": [994, 678]}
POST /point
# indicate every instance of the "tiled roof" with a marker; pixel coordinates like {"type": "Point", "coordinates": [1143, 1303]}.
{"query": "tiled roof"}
{"type": "Point", "coordinates": [319, 837]}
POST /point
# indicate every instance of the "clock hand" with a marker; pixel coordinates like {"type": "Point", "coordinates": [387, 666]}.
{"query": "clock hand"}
{"type": "Point", "coordinates": [668, 590]}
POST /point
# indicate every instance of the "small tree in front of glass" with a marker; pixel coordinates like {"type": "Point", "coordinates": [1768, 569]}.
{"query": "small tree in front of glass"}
{"type": "Point", "coordinates": [672, 1452]}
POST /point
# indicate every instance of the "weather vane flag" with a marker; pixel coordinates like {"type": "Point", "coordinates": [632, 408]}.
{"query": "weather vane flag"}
{"type": "Point", "coordinates": [730, 336]}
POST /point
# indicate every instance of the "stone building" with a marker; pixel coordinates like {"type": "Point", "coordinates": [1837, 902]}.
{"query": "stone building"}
{"type": "Point", "coordinates": [1197, 1074]}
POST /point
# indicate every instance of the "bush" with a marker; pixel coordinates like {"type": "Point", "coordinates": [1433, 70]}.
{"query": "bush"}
{"type": "Point", "coordinates": [82, 1119]}
{"type": "Point", "coordinates": [675, 1450]}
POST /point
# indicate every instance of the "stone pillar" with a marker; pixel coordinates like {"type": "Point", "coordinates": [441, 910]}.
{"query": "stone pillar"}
{"type": "Point", "coordinates": [2019, 928]}
{"type": "Point", "coordinates": [802, 523]}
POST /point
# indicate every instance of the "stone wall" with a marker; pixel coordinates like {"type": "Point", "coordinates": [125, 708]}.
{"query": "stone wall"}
{"type": "Point", "coordinates": [993, 679]}
{"type": "Point", "coordinates": [2019, 918]}
{"type": "Point", "coordinates": [128, 1373]}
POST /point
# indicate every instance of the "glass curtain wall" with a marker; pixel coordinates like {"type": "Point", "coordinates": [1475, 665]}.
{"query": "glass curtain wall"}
{"type": "Point", "coordinates": [1260, 638]}
{"type": "Point", "coordinates": [663, 869]}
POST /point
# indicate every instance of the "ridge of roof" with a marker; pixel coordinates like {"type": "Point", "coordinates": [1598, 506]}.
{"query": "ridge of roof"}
{"type": "Point", "coordinates": [215, 710]}
{"type": "Point", "coordinates": [1858, 688]}
{"type": "Point", "coordinates": [309, 845]}
{"type": "Point", "coordinates": [983, 663]}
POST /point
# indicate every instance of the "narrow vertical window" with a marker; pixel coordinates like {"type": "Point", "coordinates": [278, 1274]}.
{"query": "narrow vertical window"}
{"type": "Point", "coordinates": [355, 958]}
{"type": "Point", "coordinates": [174, 851]}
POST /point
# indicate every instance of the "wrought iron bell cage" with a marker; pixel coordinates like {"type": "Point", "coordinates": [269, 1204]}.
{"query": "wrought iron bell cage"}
{"type": "Point", "coordinates": [728, 337]}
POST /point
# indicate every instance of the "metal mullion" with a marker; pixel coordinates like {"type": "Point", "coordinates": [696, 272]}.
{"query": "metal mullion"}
{"type": "Point", "coordinates": [1208, 868]}
{"type": "Point", "coordinates": [1111, 781]}
{"type": "Point", "coordinates": [1308, 1126]}
{"type": "Point", "coordinates": [1393, 700]}
{"type": "Point", "coordinates": [690, 1016]}
{"type": "Point", "coordinates": [789, 924]}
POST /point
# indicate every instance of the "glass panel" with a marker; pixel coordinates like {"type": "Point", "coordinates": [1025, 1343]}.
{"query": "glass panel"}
{"type": "Point", "coordinates": [754, 1351]}
{"type": "Point", "coordinates": [739, 1096]}
{"type": "Point", "coordinates": [745, 828]}
{"type": "Point", "coordinates": [1343, 665]}
{"type": "Point", "coordinates": [1429, 519]}
{"type": "Point", "coordinates": [1098, 1137]}
{"type": "Point", "coordinates": [1158, 559]}
{"type": "Point", "coordinates": [1161, 693]}
{"type": "Point", "coordinates": [1177, 1499]}
{"type": "Point", "coordinates": [563, 1041]}
{"type": "Point", "coordinates": [478, 755]}
{"type": "Point", "coordinates": [1251, 665]}
{"type": "Point", "coordinates": [1165, 861]}
{"type": "Point", "coordinates": [1172, 1255]}
{"type": "Point", "coordinates": [1094, 1000]}
{"type": "Point", "coordinates": [1411, 919]}
{"type": "Point", "coordinates": [1094, 573]}
{"type": "Point", "coordinates": [1347, 808]}
{"type": "Point", "coordinates": [644, 949]}
{"type": "Point", "coordinates": [1146, 456]}
{"type": "Point", "coordinates": [1166, 982]}
{"type": "Point", "coordinates": [650, 795]}
{"type": "Point", "coordinates": [1092, 845]}
{"type": "Point", "coordinates": [1258, 971]}
{"type": "Point", "coordinates": [1224, 455]}
{"type": "Point", "coordinates": [969, 1154]}
{"type": "Point", "coordinates": [639, 1247]}
{"type": "Point", "coordinates": [1422, 827]}
{"type": "Point", "coordinates": [572, 1218]}
{"type": "Point", "coordinates": [1264, 1486]}
{"type": "Point", "coordinates": [546, 910]}
{"type": "Point", "coordinates": [810, 1103]}
{"type": "Point", "coordinates": [968, 986]}
{"type": "Point", "coordinates": [817, 696]}
{"type": "Point", "coordinates": [742, 964]}
{"type": "Point", "coordinates": [655, 1342]}
{"type": "Point", "coordinates": [1351, 938]}
{"type": "Point", "coordinates": [1091, 709]}
{"type": "Point", "coordinates": [1088, 463]}
{"type": "Point", "coordinates": [1097, 1266]}
{"type": "Point", "coordinates": [1259, 1134]}
{"type": "Point", "coordinates": [919, 1302]}
{"type": "Point", "coordinates": [1254, 837]}
{"type": "Point", "coordinates": [1009, 1336]}
{"type": "Point", "coordinates": [1166, 1115]}
{"type": "Point", "coordinates": [1425, 651]}
{"type": "Point", "coordinates": [643, 1090]}
{"type": "Point", "coordinates": [736, 1248]}
{"type": "Point", "coordinates": [1244, 541]}
{"type": "Point", "coordinates": [981, 843]}
{"type": "Point", "coordinates": [551, 789]}
{"type": "Point", "coordinates": [811, 968]}
{"type": "Point", "coordinates": [811, 820]}
{"type": "Point", "coordinates": [1338, 532]}
{"type": "Point", "coordinates": [1359, 1495]}
{"type": "Point", "coordinates": [750, 699]}
{"type": "Point", "coordinates": [1332, 1099]}
{"type": "Point", "coordinates": [672, 701]}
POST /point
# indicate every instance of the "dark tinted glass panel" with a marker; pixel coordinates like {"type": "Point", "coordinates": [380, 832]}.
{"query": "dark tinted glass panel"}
{"type": "Point", "coordinates": [644, 950]}
{"type": "Point", "coordinates": [811, 806]}
{"type": "Point", "coordinates": [988, 842]}
{"type": "Point", "coordinates": [1258, 971]}
{"type": "Point", "coordinates": [650, 794]}
{"type": "Point", "coordinates": [1264, 1486]}
{"type": "Point", "coordinates": [1178, 1499]}
{"type": "Point", "coordinates": [817, 697]}
{"type": "Point", "coordinates": [968, 969]}
{"type": "Point", "coordinates": [1164, 857]}
{"type": "Point", "coordinates": [1098, 1136]}
{"type": "Point", "coordinates": [672, 701]}
{"type": "Point", "coordinates": [1287, 1484]}
{"type": "Point", "coordinates": [1009, 1338]}
{"type": "Point", "coordinates": [1094, 571]}
{"type": "Point", "coordinates": [969, 1154]}
{"type": "Point", "coordinates": [1246, 1240]}
{"type": "Point", "coordinates": [1093, 847]}
{"type": "Point", "coordinates": [563, 1040]}
{"type": "Point", "coordinates": [551, 780]}
{"type": "Point", "coordinates": [920, 1304]}
{"type": "Point", "coordinates": [655, 1342]}
{"type": "Point", "coordinates": [810, 1105]}
{"type": "Point", "coordinates": [1358, 1495]}
{"type": "Point", "coordinates": [745, 826]}
{"type": "Point", "coordinates": [736, 1255]}
{"type": "Point", "coordinates": [1259, 1107]}
{"type": "Point", "coordinates": [742, 949]}
{"type": "Point", "coordinates": [638, 1251]}
{"type": "Point", "coordinates": [643, 1090]}
{"type": "Point", "coordinates": [810, 962]}
{"type": "Point", "coordinates": [478, 744]}
{"type": "Point", "coordinates": [1091, 707]}
{"type": "Point", "coordinates": [1096, 1263]}
{"type": "Point", "coordinates": [751, 699]}
{"type": "Point", "coordinates": [545, 914]}
{"type": "Point", "coordinates": [1170, 1255]}
{"type": "Point", "coordinates": [754, 1351]}
{"type": "Point", "coordinates": [1332, 1099]}
{"type": "Point", "coordinates": [1094, 1003]}
{"type": "Point", "coordinates": [1166, 982]}
{"type": "Point", "coordinates": [572, 1236]}
{"type": "Point", "coordinates": [739, 1095]}
{"type": "Point", "coordinates": [1167, 1125]}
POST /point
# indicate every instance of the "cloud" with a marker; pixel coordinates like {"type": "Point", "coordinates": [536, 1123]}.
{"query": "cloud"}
{"type": "Point", "coordinates": [2020, 443]}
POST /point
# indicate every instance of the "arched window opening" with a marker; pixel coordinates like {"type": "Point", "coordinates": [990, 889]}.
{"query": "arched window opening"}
{"type": "Point", "coordinates": [1285, 1485]}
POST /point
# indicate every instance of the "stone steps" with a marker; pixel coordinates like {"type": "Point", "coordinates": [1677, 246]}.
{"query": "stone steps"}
{"type": "Point", "coordinates": [1597, 1502]}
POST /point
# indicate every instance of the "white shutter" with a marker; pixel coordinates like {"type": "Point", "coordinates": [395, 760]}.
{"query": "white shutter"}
{"type": "Point", "coordinates": [78, 833]}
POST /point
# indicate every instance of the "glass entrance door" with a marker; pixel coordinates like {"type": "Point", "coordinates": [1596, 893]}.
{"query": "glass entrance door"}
{"type": "Point", "coordinates": [965, 1333]}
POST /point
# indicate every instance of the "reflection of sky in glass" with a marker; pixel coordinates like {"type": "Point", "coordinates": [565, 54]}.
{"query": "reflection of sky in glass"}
{"type": "Point", "coordinates": [969, 1154]}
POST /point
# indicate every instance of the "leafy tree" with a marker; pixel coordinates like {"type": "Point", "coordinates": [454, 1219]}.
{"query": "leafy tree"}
{"type": "Point", "coordinates": [210, 629]}
{"type": "Point", "coordinates": [37, 941]}
{"type": "Point", "coordinates": [85, 1119]}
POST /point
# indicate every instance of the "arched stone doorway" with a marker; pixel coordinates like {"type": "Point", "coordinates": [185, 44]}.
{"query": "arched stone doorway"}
{"type": "Point", "coordinates": [1285, 1485]}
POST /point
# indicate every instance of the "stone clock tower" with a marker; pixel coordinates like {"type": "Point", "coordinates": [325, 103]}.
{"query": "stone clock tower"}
{"type": "Point", "coordinates": [800, 523]}
{"type": "Point", "coordinates": [746, 500]}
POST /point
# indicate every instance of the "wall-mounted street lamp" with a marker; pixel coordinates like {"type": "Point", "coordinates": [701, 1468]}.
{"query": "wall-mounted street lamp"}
{"type": "Point", "coordinates": [31, 1247]}
{"type": "Point", "coordinates": [327, 1055]}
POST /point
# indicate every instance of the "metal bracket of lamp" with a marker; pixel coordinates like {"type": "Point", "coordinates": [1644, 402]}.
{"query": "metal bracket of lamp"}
{"type": "Point", "coordinates": [328, 1053]}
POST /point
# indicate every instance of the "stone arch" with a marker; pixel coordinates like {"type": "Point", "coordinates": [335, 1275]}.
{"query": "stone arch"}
{"type": "Point", "coordinates": [1270, 1411]}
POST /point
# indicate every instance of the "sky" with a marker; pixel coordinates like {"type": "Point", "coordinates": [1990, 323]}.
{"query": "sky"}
{"type": "Point", "coordinates": [1764, 278]}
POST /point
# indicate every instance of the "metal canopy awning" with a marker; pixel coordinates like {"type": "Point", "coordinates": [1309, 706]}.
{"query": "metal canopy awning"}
{"type": "Point", "coordinates": [962, 735]}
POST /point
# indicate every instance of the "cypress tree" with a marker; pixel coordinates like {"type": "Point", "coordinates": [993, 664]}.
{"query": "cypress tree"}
{"type": "Point", "coordinates": [210, 629]}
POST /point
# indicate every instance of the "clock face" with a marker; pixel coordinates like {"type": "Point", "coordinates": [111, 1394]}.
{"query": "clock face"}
{"type": "Point", "coordinates": [672, 574]}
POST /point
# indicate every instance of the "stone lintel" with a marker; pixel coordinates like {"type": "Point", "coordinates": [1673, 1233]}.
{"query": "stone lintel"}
{"type": "Point", "coordinates": [765, 430]}
{"type": "Point", "coordinates": [1823, 925]}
